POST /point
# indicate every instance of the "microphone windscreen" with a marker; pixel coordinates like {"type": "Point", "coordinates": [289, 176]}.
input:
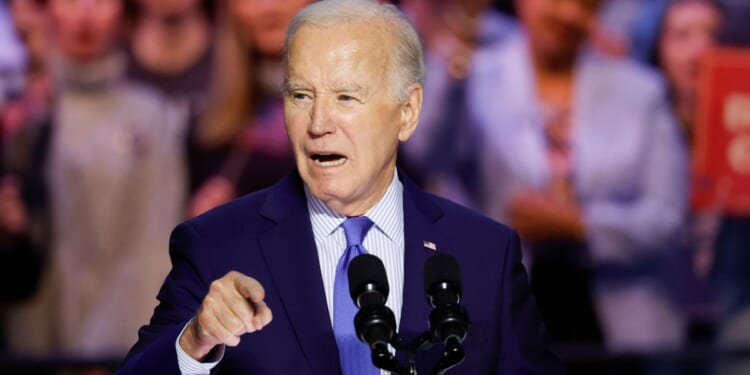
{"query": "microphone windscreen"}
{"type": "Point", "coordinates": [442, 267]}
{"type": "Point", "coordinates": [367, 269]}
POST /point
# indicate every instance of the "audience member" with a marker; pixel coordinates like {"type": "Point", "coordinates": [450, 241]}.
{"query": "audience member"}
{"type": "Point", "coordinates": [583, 156]}
{"type": "Point", "coordinates": [239, 144]}
{"type": "Point", "coordinates": [443, 158]}
{"type": "Point", "coordinates": [169, 48]}
{"type": "Point", "coordinates": [688, 29]}
{"type": "Point", "coordinates": [30, 101]}
{"type": "Point", "coordinates": [719, 241]}
{"type": "Point", "coordinates": [115, 179]}
{"type": "Point", "coordinates": [24, 219]}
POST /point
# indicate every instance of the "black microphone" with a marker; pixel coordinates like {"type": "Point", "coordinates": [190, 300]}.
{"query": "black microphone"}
{"type": "Point", "coordinates": [374, 323]}
{"type": "Point", "coordinates": [449, 321]}
{"type": "Point", "coordinates": [442, 280]}
{"type": "Point", "coordinates": [368, 283]}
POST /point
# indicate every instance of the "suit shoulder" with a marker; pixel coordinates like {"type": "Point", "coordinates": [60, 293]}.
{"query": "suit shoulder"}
{"type": "Point", "coordinates": [235, 215]}
{"type": "Point", "coordinates": [464, 217]}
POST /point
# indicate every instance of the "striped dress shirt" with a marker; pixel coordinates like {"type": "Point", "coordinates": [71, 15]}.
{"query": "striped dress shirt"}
{"type": "Point", "coordinates": [384, 240]}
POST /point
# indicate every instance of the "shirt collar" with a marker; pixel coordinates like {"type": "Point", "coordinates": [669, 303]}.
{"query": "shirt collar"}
{"type": "Point", "coordinates": [387, 214]}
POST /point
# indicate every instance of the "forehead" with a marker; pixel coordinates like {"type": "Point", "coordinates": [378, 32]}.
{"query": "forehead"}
{"type": "Point", "coordinates": [692, 10]}
{"type": "Point", "coordinates": [337, 51]}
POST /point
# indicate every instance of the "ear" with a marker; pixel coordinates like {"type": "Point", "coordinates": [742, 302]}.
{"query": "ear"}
{"type": "Point", "coordinates": [410, 110]}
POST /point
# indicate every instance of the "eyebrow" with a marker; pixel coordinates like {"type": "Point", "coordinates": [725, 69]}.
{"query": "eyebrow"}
{"type": "Point", "coordinates": [345, 88]}
{"type": "Point", "coordinates": [291, 86]}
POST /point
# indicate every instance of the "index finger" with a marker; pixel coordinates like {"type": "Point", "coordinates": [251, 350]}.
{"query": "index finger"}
{"type": "Point", "coordinates": [249, 288]}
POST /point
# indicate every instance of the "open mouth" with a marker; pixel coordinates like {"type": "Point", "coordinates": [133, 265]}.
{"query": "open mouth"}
{"type": "Point", "coordinates": [329, 160]}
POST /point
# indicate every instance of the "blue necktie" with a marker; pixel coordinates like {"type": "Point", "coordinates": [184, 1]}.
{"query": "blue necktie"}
{"type": "Point", "coordinates": [354, 355]}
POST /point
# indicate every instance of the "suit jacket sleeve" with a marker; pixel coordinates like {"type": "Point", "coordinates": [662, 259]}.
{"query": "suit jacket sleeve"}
{"type": "Point", "coordinates": [179, 299]}
{"type": "Point", "coordinates": [524, 349]}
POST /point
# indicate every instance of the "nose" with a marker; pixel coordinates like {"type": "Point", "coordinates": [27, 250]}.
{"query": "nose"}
{"type": "Point", "coordinates": [320, 119]}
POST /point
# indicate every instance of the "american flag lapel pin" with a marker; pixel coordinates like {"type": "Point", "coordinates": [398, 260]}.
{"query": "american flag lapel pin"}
{"type": "Point", "coordinates": [429, 245]}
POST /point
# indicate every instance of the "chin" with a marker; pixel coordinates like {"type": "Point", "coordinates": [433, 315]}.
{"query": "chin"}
{"type": "Point", "coordinates": [317, 186]}
{"type": "Point", "coordinates": [327, 191]}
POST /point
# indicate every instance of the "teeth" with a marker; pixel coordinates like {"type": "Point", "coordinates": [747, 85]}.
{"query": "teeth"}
{"type": "Point", "coordinates": [331, 163]}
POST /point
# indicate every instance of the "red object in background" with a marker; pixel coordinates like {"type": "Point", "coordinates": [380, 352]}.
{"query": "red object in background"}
{"type": "Point", "coordinates": [721, 152]}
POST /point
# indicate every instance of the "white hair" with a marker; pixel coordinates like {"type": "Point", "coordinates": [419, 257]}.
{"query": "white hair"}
{"type": "Point", "coordinates": [408, 63]}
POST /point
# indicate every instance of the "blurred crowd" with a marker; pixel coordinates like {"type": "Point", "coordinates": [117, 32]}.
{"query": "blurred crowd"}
{"type": "Point", "coordinates": [570, 120]}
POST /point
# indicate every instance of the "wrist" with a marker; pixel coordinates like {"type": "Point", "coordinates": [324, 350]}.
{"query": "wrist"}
{"type": "Point", "coordinates": [190, 342]}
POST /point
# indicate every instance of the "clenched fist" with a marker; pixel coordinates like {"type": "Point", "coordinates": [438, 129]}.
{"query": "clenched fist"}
{"type": "Point", "coordinates": [233, 306]}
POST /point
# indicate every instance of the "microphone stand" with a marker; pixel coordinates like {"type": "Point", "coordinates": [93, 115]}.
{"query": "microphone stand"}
{"type": "Point", "coordinates": [383, 359]}
{"type": "Point", "coordinates": [453, 354]}
{"type": "Point", "coordinates": [451, 357]}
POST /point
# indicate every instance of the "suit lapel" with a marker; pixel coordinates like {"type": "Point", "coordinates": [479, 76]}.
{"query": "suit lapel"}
{"type": "Point", "coordinates": [420, 217]}
{"type": "Point", "coordinates": [291, 256]}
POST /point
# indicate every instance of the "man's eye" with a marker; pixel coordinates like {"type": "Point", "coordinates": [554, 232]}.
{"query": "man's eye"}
{"type": "Point", "coordinates": [347, 98]}
{"type": "Point", "coordinates": [299, 96]}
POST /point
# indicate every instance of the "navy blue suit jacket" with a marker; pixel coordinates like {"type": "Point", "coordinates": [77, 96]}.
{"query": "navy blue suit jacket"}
{"type": "Point", "coordinates": [267, 235]}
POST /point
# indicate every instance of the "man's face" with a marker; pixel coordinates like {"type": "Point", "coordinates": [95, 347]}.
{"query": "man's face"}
{"type": "Point", "coordinates": [341, 115]}
{"type": "Point", "coordinates": [557, 28]}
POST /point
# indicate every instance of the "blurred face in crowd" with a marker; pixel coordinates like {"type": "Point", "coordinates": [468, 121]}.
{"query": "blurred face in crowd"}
{"type": "Point", "coordinates": [264, 22]}
{"type": "Point", "coordinates": [689, 28]}
{"type": "Point", "coordinates": [29, 23]}
{"type": "Point", "coordinates": [557, 28]}
{"type": "Point", "coordinates": [86, 30]}
{"type": "Point", "coordinates": [342, 118]}
{"type": "Point", "coordinates": [167, 7]}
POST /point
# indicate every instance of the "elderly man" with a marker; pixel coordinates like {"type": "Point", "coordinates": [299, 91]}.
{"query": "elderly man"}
{"type": "Point", "coordinates": [353, 91]}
